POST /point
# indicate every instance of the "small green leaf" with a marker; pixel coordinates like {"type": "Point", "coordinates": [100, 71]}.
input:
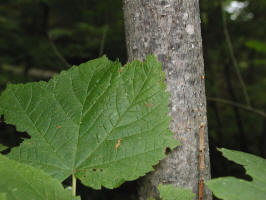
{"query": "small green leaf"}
{"type": "Point", "coordinates": [231, 188]}
{"type": "Point", "coordinates": [20, 181]}
{"type": "Point", "coordinates": [170, 192]}
{"type": "Point", "coordinates": [2, 147]}
{"type": "Point", "coordinates": [104, 122]}
{"type": "Point", "coordinates": [259, 46]}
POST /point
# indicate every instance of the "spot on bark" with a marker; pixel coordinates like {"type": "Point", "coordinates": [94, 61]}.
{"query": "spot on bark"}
{"type": "Point", "coordinates": [163, 3]}
{"type": "Point", "coordinates": [190, 29]}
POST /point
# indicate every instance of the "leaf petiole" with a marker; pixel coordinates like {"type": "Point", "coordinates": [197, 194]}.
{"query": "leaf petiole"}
{"type": "Point", "coordinates": [74, 185]}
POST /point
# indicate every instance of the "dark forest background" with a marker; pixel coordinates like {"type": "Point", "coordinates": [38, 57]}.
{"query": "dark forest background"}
{"type": "Point", "coordinates": [39, 38]}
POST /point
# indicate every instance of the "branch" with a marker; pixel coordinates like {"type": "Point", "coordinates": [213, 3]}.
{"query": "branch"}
{"type": "Point", "coordinates": [105, 29]}
{"type": "Point", "coordinates": [235, 104]}
{"type": "Point", "coordinates": [33, 72]}
{"type": "Point", "coordinates": [57, 53]}
{"type": "Point", "coordinates": [232, 55]}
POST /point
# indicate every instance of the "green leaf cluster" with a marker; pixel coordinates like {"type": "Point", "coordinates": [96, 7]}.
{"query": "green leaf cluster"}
{"type": "Point", "coordinates": [231, 188]}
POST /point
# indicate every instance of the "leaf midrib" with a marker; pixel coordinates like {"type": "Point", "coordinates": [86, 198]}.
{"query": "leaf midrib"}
{"type": "Point", "coordinates": [120, 118]}
{"type": "Point", "coordinates": [74, 167]}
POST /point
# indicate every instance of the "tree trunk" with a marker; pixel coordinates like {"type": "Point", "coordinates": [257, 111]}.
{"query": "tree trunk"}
{"type": "Point", "coordinates": [170, 29]}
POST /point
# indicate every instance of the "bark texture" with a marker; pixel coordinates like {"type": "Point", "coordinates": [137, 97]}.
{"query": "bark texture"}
{"type": "Point", "coordinates": [170, 29]}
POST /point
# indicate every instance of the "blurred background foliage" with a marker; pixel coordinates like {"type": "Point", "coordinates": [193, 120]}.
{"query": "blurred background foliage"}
{"type": "Point", "coordinates": [39, 38]}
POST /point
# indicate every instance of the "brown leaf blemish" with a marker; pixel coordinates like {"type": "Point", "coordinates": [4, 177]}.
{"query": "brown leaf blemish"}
{"type": "Point", "coordinates": [148, 105]}
{"type": "Point", "coordinates": [118, 143]}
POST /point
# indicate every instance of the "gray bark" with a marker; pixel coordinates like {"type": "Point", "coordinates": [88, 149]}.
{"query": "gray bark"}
{"type": "Point", "coordinates": [170, 29]}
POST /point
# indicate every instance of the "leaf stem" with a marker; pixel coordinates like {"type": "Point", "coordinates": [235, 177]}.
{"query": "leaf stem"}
{"type": "Point", "coordinates": [74, 184]}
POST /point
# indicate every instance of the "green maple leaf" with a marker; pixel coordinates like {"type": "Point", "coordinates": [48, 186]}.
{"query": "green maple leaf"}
{"type": "Point", "coordinates": [170, 192]}
{"type": "Point", "coordinates": [100, 121]}
{"type": "Point", "coordinates": [20, 181]}
{"type": "Point", "coordinates": [231, 188]}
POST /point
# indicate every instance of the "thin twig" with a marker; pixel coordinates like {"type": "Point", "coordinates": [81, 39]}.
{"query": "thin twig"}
{"type": "Point", "coordinates": [232, 55]}
{"type": "Point", "coordinates": [232, 103]}
{"type": "Point", "coordinates": [103, 40]}
{"type": "Point", "coordinates": [201, 161]}
{"type": "Point", "coordinates": [33, 72]}
{"type": "Point", "coordinates": [57, 53]}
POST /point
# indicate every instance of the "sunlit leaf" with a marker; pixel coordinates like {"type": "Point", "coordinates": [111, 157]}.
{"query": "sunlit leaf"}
{"type": "Point", "coordinates": [259, 46]}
